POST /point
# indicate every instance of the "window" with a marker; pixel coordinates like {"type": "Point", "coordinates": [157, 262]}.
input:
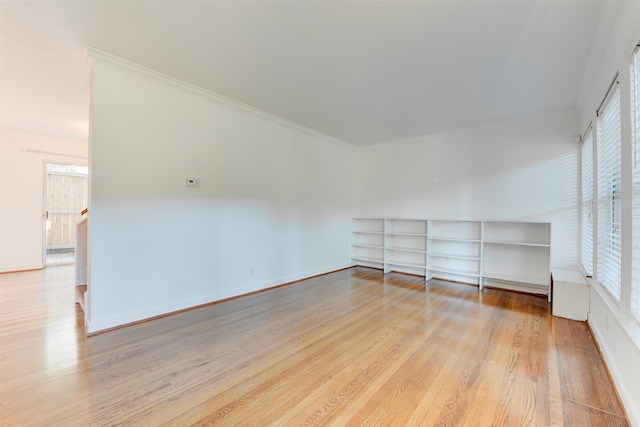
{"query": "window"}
{"type": "Point", "coordinates": [586, 252]}
{"type": "Point", "coordinates": [608, 146]}
{"type": "Point", "coordinates": [635, 129]}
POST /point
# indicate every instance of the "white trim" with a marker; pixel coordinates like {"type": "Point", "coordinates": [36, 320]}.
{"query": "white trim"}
{"type": "Point", "coordinates": [587, 201]}
{"type": "Point", "coordinates": [18, 268]}
{"type": "Point", "coordinates": [97, 325]}
{"type": "Point", "coordinates": [43, 211]}
{"type": "Point", "coordinates": [609, 197]}
{"type": "Point", "coordinates": [634, 183]}
{"type": "Point", "coordinates": [104, 58]}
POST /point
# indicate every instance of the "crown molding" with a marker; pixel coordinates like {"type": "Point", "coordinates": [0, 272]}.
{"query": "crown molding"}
{"type": "Point", "coordinates": [92, 55]}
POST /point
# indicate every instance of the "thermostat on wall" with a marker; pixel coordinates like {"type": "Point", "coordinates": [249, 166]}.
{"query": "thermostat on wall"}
{"type": "Point", "coordinates": [193, 182]}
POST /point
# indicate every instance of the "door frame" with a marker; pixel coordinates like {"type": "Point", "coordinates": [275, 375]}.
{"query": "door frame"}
{"type": "Point", "coordinates": [45, 207]}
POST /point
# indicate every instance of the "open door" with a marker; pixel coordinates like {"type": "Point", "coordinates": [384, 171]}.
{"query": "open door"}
{"type": "Point", "coordinates": [66, 196]}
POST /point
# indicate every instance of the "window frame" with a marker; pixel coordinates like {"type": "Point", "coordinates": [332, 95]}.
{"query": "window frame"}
{"type": "Point", "coordinates": [588, 206]}
{"type": "Point", "coordinates": [609, 192]}
{"type": "Point", "coordinates": [634, 74]}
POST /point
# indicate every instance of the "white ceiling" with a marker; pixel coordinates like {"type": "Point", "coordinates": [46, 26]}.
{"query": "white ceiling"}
{"type": "Point", "coordinates": [363, 72]}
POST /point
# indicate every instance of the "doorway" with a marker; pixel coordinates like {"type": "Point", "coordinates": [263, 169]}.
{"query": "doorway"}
{"type": "Point", "coordinates": [66, 195]}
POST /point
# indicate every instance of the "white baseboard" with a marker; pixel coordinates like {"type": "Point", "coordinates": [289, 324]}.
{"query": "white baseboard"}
{"type": "Point", "coordinates": [16, 268]}
{"type": "Point", "coordinates": [98, 325]}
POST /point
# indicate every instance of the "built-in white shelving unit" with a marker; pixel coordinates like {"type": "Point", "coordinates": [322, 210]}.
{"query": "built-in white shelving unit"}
{"type": "Point", "coordinates": [455, 251]}
{"type": "Point", "coordinates": [517, 253]}
{"type": "Point", "coordinates": [505, 254]}
{"type": "Point", "coordinates": [406, 246]}
{"type": "Point", "coordinates": [367, 242]}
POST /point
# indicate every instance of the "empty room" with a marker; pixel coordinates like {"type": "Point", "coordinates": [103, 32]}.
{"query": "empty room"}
{"type": "Point", "coordinates": [281, 213]}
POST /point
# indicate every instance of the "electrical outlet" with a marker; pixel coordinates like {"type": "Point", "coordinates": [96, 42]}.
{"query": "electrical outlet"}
{"type": "Point", "coordinates": [193, 182]}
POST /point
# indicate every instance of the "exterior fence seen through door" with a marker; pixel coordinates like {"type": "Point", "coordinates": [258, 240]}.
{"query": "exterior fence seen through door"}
{"type": "Point", "coordinates": [66, 197]}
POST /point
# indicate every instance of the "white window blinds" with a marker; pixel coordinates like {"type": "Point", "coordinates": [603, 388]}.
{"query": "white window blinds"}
{"type": "Point", "coordinates": [586, 252]}
{"type": "Point", "coordinates": [608, 146]}
{"type": "Point", "coordinates": [635, 123]}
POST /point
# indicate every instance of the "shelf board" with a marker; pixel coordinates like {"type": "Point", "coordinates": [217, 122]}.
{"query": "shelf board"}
{"type": "Point", "coordinates": [365, 259]}
{"type": "Point", "coordinates": [368, 231]}
{"type": "Point", "coordinates": [361, 245]}
{"type": "Point", "coordinates": [454, 239]}
{"type": "Point", "coordinates": [506, 242]}
{"type": "Point", "coordinates": [454, 256]}
{"type": "Point", "coordinates": [455, 271]}
{"type": "Point", "coordinates": [535, 281]}
{"type": "Point", "coordinates": [417, 251]}
{"type": "Point", "coordinates": [401, 233]}
{"type": "Point", "coordinates": [406, 264]}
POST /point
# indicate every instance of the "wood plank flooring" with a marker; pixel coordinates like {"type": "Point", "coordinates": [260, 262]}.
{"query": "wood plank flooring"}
{"type": "Point", "coordinates": [351, 348]}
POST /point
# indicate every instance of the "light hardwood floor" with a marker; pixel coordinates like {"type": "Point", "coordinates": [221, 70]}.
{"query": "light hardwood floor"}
{"type": "Point", "coordinates": [351, 348]}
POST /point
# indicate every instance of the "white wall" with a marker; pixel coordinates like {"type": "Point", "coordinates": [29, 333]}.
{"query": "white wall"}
{"type": "Point", "coordinates": [522, 170]}
{"type": "Point", "coordinates": [273, 205]}
{"type": "Point", "coordinates": [616, 332]}
{"type": "Point", "coordinates": [22, 194]}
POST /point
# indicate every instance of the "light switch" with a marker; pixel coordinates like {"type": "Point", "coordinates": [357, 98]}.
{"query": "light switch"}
{"type": "Point", "coordinates": [193, 182]}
